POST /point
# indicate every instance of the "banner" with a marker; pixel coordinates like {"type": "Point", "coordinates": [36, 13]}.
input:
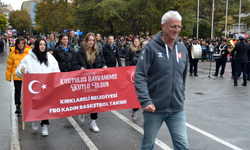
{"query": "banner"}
{"type": "Point", "coordinates": [64, 94]}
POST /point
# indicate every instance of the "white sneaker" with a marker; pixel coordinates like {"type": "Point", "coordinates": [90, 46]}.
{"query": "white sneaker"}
{"type": "Point", "coordinates": [35, 125]}
{"type": "Point", "coordinates": [81, 118]}
{"type": "Point", "coordinates": [94, 127]}
{"type": "Point", "coordinates": [45, 131]}
{"type": "Point", "coordinates": [134, 115]}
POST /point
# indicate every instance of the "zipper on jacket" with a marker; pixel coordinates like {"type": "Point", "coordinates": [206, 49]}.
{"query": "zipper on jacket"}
{"type": "Point", "coordinates": [172, 80]}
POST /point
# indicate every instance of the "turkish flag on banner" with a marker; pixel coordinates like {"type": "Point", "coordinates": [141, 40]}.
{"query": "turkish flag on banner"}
{"type": "Point", "coordinates": [64, 94]}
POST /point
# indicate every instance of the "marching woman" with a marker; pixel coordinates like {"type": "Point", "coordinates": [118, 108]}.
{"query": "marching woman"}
{"type": "Point", "coordinates": [88, 57]}
{"type": "Point", "coordinates": [51, 42]}
{"type": "Point", "coordinates": [131, 60]}
{"type": "Point", "coordinates": [38, 61]}
{"type": "Point", "coordinates": [18, 52]}
{"type": "Point", "coordinates": [132, 52]}
{"type": "Point", "coordinates": [64, 53]}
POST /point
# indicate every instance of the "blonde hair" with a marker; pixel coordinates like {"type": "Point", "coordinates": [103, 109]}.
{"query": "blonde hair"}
{"type": "Point", "coordinates": [48, 40]}
{"type": "Point", "coordinates": [94, 49]}
{"type": "Point", "coordinates": [132, 46]}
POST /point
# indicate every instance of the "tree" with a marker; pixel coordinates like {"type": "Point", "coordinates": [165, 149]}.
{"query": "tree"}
{"type": "Point", "coordinates": [144, 14]}
{"type": "Point", "coordinates": [3, 23]}
{"type": "Point", "coordinates": [118, 17]}
{"type": "Point", "coordinates": [20, 20]}
{"type": "Point", "coordinates": [53, 15]}
{"type": "Point", "coordinates": [220, 11]}
{"type": "Point", "coordinates": [99, 15]}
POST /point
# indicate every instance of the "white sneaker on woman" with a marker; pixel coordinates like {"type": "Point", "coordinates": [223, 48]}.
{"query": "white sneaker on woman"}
{"type": "Point", "coordinates": [45, 131]}
{"type": "Point", "coordinates": [94, 127]}
{"type": "Point", "coordinates": [35, 125]}
{"type": "Point", "coordinates": [134, 115]}
{"type": "Point", "coordinates": [81, 118]}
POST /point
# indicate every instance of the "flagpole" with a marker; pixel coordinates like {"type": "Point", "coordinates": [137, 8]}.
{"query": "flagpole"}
{"type": "Point", "coordinates": [23, 123]}
{"type": "Point", "coordinates": [212, 29]}
{"type": "Point", "coordinates": [239, 16]}
{"type": "Point", "coordinates": [226, 20]}
{"type": "Point", "coordinates": [198, 19]}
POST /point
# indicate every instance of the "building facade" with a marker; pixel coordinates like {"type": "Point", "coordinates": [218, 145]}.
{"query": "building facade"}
{"type": "Point", "coordinates": [29, 6]}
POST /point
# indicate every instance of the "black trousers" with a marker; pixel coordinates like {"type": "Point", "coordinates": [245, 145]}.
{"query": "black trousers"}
{"type": "Point", "coordinates": [18, 88]}
{"type": "Point", "coordinates": [93, 116]}
{"type": "Point", "coordinates": [221, 63]}
{"type": "Point", "coordinates": [238, 69]}
{"type": "Point", "coordinates": [248, 70]}
{"type": "Point", "coordinates": [193, 64]}
{"type": "Point", "coordinates": [136, 109]}
{"type": "Point", "coordinates": [45, 122]}
{"type": "Point", "coordinates": [233, 67]}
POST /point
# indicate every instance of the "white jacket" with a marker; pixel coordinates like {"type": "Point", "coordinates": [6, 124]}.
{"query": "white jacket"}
{"type": "Point", "coordinates": [33, 65]}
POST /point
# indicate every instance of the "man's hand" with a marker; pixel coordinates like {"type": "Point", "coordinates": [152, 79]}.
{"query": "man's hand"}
{"type": "Point", "coordinates": [149, 108]}
{"type": "Point", "coordinates": [83, 69]}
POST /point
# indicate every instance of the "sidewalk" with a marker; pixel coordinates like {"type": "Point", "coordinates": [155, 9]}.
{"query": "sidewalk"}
{"type": "Point", "coordinates": [6, 97]}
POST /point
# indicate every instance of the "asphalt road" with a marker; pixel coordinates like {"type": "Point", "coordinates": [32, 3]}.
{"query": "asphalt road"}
{"type": "Point", "coordinates": [217, 119]}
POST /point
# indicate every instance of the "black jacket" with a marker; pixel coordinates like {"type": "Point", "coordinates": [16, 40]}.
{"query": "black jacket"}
{"type": "Point", "coordinates": [131, 57]}
{"type": "Point", "coordinates": [111, 55]}
{"type": "Point", "coordinates": [73, 42]}
{"type": "Point", "coordinates": [223, 57]}
{"type": "Point", "coordinates": [80, 60]}
{"type": "Point", "coordinates": [63, 58]}
{"type": "Point", "coordinates": [242, 51]}
{"type": "Point", "coordinates": [248, 56]}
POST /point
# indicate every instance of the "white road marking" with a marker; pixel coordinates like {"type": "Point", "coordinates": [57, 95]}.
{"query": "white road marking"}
{"type": "Point", "coordinates": [15, 144]}
{"type": "Point", "coordinates": [82, 134]}
{"type": "Point", "coordinates": [139, 129]}
{"type": "Point", "coordinates": [213, 137]}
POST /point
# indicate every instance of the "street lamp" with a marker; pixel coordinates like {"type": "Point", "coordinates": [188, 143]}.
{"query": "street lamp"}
{"type": "Point", "coordinates": [198, 9]}
{"type": "Point", "coordinates": [239, 16]}
{"type": "Point", "coordinates": [212, 29]}
{"type": "Point", "coordinates": [226, 20]}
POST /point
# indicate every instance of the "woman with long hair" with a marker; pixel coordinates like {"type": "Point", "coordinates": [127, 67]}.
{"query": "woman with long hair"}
{"type": "Point", "coordinates": [88, 57]}
{"type": "Point", "coordinates": [51, 42]}
{"type": "Point", "coordinates": [38, 61]}
{"type": "Point", "coordinates": [134, 48]}
{"type": "Point", "coordinates": [18, 52]}
{"type": "Point", "coordinates": [131, 60]}
{"type": "Point", "coordinates": [64, 53]}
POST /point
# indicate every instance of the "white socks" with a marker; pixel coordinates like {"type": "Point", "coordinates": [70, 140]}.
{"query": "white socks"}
{"type": "Point", "coordinates": [92, 121]}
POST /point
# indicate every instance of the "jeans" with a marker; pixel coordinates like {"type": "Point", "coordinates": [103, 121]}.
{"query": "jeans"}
{"type": "Point", "coordinates": [176, 123]}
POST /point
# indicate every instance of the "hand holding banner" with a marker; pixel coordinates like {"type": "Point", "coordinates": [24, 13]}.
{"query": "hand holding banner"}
{"type": "Point", "coordinates": [59, 95]}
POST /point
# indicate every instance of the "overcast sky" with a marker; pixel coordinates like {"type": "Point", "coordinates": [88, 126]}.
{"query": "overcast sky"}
{"type": "Point", "coordinates": [16, 4]}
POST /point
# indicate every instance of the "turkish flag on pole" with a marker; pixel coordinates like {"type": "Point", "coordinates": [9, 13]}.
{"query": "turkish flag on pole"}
{"type": "Point", "coordinates": [64, 94]}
